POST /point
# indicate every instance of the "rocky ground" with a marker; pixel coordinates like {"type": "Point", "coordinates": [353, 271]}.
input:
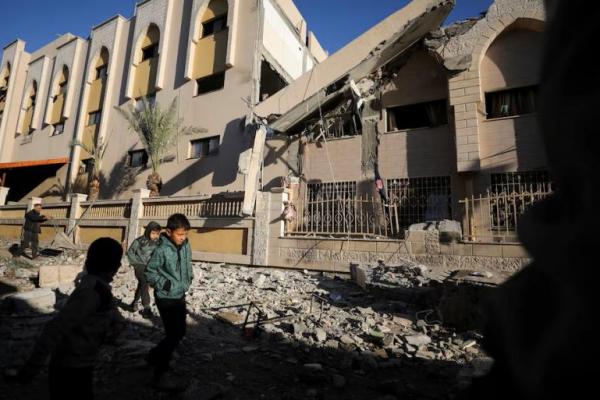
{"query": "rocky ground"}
{"type": "Point", "coordinates": [335, 340]}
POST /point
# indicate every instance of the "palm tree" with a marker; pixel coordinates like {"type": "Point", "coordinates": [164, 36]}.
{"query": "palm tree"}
{"type": "Point", "coordinates": [96, 150]}
{"type": "Point", "coordinates": [158, 130]}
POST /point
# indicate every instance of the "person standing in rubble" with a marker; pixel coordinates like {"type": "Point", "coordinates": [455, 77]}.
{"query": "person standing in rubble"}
{"type": "Point", "coordinates": [139, 255]}
{"type": "Point", "coordinates": [170, 273]}
{"type": "Point", "coordinates": [31, 231]}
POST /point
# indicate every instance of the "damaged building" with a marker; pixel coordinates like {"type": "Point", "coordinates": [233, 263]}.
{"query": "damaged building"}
{"type": "Point", "coordinates": [414, 140]}
{"type": "Point", "coordinates": [422, 124]}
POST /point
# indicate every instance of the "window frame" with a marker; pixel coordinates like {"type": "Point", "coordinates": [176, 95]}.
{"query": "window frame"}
{"type": "Point", "coordinates": [393, 127]}
{"type": "Point", "coordinates": [144, 160]}
{"type": "Point", "coordinates": [192, 155]}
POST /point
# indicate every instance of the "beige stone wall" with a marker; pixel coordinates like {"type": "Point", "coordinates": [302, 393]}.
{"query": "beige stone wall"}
{"type": "Point", "coordinates": [466, 87]}
{"type": "Point", "coordinates": [216, 240]}
{"type": "Point", "coordinates": [87, 234]}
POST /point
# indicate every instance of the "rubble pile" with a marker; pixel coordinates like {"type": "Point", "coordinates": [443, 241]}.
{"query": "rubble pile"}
{"type": "Point", "coordinates": [332, 339]}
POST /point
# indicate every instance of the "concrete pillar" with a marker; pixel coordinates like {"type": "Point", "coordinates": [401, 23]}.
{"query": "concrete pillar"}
{"type": "Point", "coordinates": [75, 211]}
{"type": "Point", "coordinates": [137, 212]}
{"type": "Point", "coordinates": [32, 202]}
{"type": "Point", "coordinates": [3, 195]}
{"type": "Point", "coordinates": [260, 242]}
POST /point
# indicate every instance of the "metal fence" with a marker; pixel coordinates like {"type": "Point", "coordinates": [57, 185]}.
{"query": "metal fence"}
{"type": "Point", "coordinates": [358, 217]}
{"type": "Point", "coordinates": [194, 208]}
{"type": "Point", "coordinates": [494, 217]}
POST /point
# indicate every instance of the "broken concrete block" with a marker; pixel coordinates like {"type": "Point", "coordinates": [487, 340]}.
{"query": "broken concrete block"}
{"type": "Point", "coordinates": [53, 276]}
{"type": "Point", "coordinates": [359, 275]}
{"type": "Point", "coordinates": [320, 334]}
{"type": "Point", "coordinates": [417, 340]}
{"type": "Point", "coordinates": [229, 318]}
{"type": "Point", "coordinates": [450, 231]}
{"type": "Point", "coordinates": [37, 300]}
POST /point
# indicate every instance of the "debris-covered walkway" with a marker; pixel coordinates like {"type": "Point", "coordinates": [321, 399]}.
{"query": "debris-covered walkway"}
{"type": "Point", "coordinates": [353, 344]}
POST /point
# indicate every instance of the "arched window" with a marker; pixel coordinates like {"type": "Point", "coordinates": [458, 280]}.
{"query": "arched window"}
{"type": "Point", "coordinates": [58, 98]}
{"type": "Point", "coordinates": [29, 108]}
{"type": "Point", "coordinates": [510, 70]}
{"type": "Point", "coordinates": [99, 73]}
{"type": "Point", "coordinates": [146, 62]}
{"type": "Point", "coordinates": [210, 51]}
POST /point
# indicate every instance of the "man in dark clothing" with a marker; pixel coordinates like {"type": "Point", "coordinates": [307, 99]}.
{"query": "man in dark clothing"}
{"type": "Point", "coordinates": [139, 254]}
{"type": "Point", "coordinates": [31, 231]}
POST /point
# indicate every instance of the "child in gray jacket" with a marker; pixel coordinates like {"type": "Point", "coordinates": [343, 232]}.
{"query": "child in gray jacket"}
{"type": "Point", "coordinates": [139, 255]}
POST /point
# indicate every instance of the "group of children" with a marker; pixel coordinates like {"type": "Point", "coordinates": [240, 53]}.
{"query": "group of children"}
{"type": "Point", "coordinates": [73, 338]}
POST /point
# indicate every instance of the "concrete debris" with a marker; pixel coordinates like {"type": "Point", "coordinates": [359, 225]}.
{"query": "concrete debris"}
{"type": "Point", "coordinates": [449, 231]}
{"type": "Point", "coordinates": [357, 333]}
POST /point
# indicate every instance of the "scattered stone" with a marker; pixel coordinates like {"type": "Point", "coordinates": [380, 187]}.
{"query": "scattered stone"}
{"type": "Point", "coordinates": [417, 340]}
{"type": "Point", "coordinates": [346, 339]}
{"type": "Point", "coordinates": [320, 334]}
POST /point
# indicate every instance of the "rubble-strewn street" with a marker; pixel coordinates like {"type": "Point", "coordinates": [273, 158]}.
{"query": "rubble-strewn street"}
{"type": "Point", "coordinates": [353, 344]}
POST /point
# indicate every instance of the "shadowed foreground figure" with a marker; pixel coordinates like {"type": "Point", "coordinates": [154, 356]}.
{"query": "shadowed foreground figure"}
{"type": "Point", "coordinates": [540, 322]}
{"type": "Point", "coordinates": [73, 338]}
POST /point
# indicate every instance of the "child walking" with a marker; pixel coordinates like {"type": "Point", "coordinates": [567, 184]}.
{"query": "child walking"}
{"type": "Point", "coordinates": [139, 255]}
{"type": "Point", "coordinates": [170, 273]}
{"type": "Point", "coordinates": [73, 338]}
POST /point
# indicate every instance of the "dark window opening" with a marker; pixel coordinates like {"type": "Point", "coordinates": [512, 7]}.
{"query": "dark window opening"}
{"type": "Point", "coordinates": [508, 103]}
{"type": "Point", "coordinates": [94, 118]}
{"type": "Point", "coordinates": [210, 83]}
{"type": "Point", "coordinates": [138, 158]}
{"type": "Point", "coordinates": [58, 128]}
{"type": "Point", "coordinates": [270, 81]}
{"type": "Point", "coordinates": [421, 199]}
{"type": "Point", "coordinates": [151, 99]}
{"type": "Point", "coordinates": [214, 26]}
{"type": "Point", "coordinates": [102, 71]}
{"type": "Point", "coordinates": [149, 52]}
{"type": "Point", "coordinates": [204, 147]}
{"type": "Point", "coordinates": [423, 115]}
{"type": "Point", "coordinates": [87, 166]}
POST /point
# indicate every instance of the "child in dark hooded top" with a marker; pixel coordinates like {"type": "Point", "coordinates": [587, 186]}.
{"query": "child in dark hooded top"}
{"type": "Point", "coordinates": [139, 254]}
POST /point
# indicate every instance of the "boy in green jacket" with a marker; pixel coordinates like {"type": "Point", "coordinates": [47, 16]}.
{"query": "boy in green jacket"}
{"type": "Point", "coordinates": [169, 272]}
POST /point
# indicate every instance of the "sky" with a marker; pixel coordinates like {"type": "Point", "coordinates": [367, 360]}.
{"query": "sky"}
{"type": "Point", "coordinates": [335, 22]}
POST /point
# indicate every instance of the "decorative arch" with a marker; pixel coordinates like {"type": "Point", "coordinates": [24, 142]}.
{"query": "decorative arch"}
{"type": "Point", "coordinates": [510, 23]}
{"type": "Point", "coordinates": [58, 95]}
{"type": "Point", "coordinates": [28, 109]}
{"type": "Point", "coordinates": [145, 62]}
{"type": "Point", "coordinates": [222, 48]}
{"type": "Point", "coordinates": [210, 40]}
